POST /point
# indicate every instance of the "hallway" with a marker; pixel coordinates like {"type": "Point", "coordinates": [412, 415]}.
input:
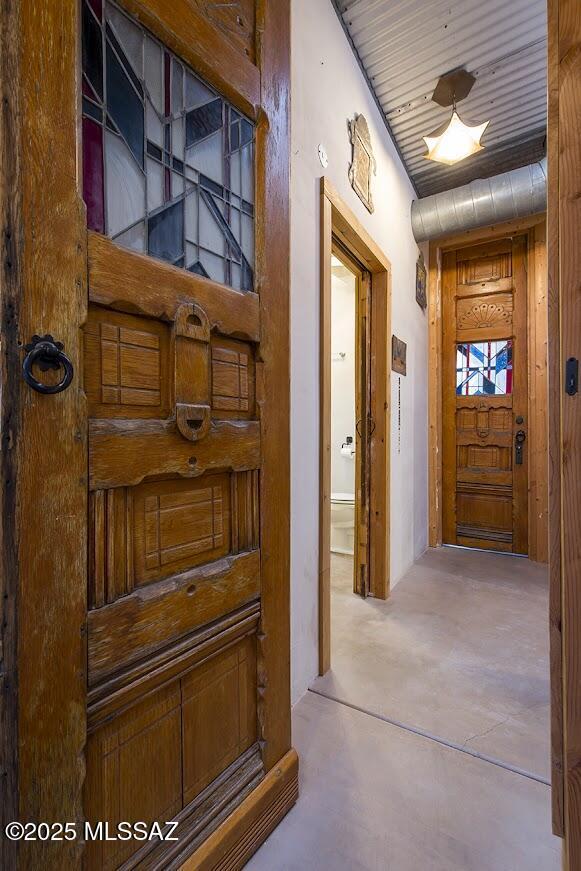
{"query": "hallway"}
{"type": "Point", "coordinates": [427, 745]}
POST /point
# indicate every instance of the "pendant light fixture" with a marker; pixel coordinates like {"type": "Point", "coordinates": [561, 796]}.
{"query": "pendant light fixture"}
{"type": "Point", "coordinates": [454, 140]}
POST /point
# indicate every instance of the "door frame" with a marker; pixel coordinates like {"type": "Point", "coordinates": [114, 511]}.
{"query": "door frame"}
{"type": "Point", "coordinates": [44, 456]}
{"type": "Point", "coordinates": [337, 220]}
{"type": "Point", "coordinates": [534, 228]}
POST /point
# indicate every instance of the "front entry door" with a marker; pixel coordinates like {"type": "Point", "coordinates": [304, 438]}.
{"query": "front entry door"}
{"type": "Point", "coordinates": [160, 635]}
{"type": "Point", "coordinates": [484, 403]}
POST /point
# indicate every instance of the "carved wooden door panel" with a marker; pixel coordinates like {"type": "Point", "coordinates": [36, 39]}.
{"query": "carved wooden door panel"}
{"type": "Point", "coordinates": [169, 286]}
{"type": "Point", "coordinates": [485, 396]}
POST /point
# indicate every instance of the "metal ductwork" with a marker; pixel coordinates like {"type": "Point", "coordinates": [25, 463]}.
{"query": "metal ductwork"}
{"type": "Point", "coordinates": [484, 201]}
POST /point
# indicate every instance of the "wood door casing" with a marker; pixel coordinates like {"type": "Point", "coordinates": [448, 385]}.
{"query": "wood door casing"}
{"type": "Point", "coordinates": [163, 665]}
{"type": "Point", "coordinates": [485, 492]}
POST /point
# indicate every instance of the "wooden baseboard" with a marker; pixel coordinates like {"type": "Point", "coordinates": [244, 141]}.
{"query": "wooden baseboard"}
{"type": "Point", "coordinates": [232, 844]}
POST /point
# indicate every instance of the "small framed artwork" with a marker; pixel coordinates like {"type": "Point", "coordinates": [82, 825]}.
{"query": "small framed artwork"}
{"type": "Point", "coordinates": [421, 277]}
{"type": "Point", "coordinates": [398, 355]}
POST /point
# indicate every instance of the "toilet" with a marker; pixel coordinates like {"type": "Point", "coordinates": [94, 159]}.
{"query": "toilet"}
{"type": "Point", "coordinates": [342, 522]}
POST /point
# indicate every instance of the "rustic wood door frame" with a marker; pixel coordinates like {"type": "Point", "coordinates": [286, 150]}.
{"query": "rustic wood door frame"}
{"type": "Point", "coordinates": [337, 220]}
{"type": "Point", "coordinates": [534, 227]}
{"type": "Point", "coordinates": [44, 457]}
{"type": "Point", "coordinates": [564, 268]}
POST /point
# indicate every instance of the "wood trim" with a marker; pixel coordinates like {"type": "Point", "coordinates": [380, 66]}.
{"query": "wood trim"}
{"type": "Point", "coordinates": [435, 396]}
{"type": "Point", "coordinates": [533, 226]}
{"type": "Point", "coordinates": [325, 441]}
{"type": "Point", "coordinates": [273, 284]}
{"type": "Point", "coordinates": [232, 844]}
{"type": "Point", "coordinates": [554, 407]}
{"type": "Point", "coordinates": [537, 407]}
{"type": "Point", "coordinates": [337, 220]}
{"type": "Point", "coordinates": [11, 416]}
{"type": "Point", "coordinates": [190, 35]}
{"type": "Point", "coordinates": [565, 441]}
{"type": "Point", "coordinates": [349, 229]}
{"type": "Point", "coordinates": [44, 437]}
{"type": "Point", "coordinates": [488, 233]}
{"type": "Point", "coordinates": [448, 401]}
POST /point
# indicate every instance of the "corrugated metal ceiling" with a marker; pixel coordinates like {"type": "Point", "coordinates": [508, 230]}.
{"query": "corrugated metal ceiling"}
{"type": "Point", "coordinates": [404, 46]}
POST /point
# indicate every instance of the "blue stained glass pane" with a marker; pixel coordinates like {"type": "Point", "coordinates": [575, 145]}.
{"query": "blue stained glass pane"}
{"type": "Point", "coordinates": [166, 233]}
{"type": "Point", "coordinates": [92, 50]}
{"type": "Point", "coordinates": [484, 368]}
{"type": "Point", "coordinates": [125, 106]}
{"type": "Point", "coordinates": [203, 121]}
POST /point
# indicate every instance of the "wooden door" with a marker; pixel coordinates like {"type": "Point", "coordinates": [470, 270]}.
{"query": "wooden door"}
{"type": "Point", "coordinates": [484, 402]}
{"type": "Point", "coordinates": [152, 641]}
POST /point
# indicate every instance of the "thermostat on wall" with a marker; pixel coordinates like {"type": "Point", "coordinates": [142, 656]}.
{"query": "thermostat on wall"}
{"type": "Point", "coordinates": [323, 157]}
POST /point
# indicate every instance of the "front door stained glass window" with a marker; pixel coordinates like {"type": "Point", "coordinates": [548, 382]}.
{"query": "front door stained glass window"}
{"type": "Point", "coordinates": [484, 368]}
{"type": "Point", "coordinates": [168, 164]}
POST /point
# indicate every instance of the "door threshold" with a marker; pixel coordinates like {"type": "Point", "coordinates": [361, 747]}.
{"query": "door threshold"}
{"type": "Point", "coordinates": [487, 550]}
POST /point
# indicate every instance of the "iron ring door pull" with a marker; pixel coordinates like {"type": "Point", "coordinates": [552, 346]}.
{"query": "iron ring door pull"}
{"type": "Point", "coordinates": [47, 354]}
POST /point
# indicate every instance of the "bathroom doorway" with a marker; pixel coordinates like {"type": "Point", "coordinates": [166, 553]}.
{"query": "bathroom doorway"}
{"type": "Point", "coordinates": [355, 412]}
{"type": "Point", "coordinates": [351, 420]}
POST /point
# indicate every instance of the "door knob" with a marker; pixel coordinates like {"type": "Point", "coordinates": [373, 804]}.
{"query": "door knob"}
{"type": "Point", "coordinates": [47, 354]}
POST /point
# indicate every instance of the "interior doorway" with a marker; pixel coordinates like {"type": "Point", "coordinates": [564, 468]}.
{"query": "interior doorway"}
{"type": "Point", "coordinates": [484, 396]}
{"type": "Point", "coordinates": [351, 420]}
{"type": "Point", "coordinates": [354, 454]}
{"type": "Point", "coordinates": [488, 418]}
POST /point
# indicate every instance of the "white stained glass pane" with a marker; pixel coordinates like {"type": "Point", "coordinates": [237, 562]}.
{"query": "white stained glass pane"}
{"type": "Point", "coordinates": [130, 38]}
{"type": "Point", "coordinates": [154, 127]}
{"type": "Point", "coordinates": [177, 87]}
{"type": "Point", "coordinates": [178, 138]}
{"type": "Point", "coordinates": [207, 157]}
{"type": "Point", "coordinates": [210, 234]}
{"type": "Point", "coordinates": [248, 238]}
{"type": "Point", "coordinates": [191, 253]}
{"type": "Point", "coordinates": [235, 223]}
{"type": "Point", "coordinates": [155, 185]}
{"type": "Point", "coordinates": [153, 73]}
{"type": "Point", "coordinates": [133, 238]}
{"type": "Point", "coordinates": [125, 186]}
{"type": "Point", "coordinates": [236, 276]}
{"type": "Point", "coordinates": [235, 182]}
{"type": "Point", "coordinates": [213, 265]}
{"type": "Point", "coordinates": [191, 216]}
{"type": "Point", "coordinates": [247, 170]}
{"type": "Point", "coordinates": [197, 94]}
{"type": "Point", "coordinates": [177, 184]}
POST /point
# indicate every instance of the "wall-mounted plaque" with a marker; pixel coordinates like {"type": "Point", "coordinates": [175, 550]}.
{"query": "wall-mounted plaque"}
{"type": "Point", "coordinates": [421, 279]}
{"type": "Point", "coordinates": [398, 355]}
{"type": "Point", "coordinates": [363, 164]}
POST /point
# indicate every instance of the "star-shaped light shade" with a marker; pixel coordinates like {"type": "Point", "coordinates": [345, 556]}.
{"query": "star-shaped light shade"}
{"type": "Point", "coordinates": [456, 142]}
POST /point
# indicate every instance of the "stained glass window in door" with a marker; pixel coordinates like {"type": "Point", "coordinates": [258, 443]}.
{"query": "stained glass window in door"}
{"type": "Point", "coordinates": [168, 164]}
{"type": "Point", "coordinates": [484, 368]}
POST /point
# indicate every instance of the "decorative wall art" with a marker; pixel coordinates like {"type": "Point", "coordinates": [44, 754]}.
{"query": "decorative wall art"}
{"type": "Point", "coordinates": [363, 164]}
{"type": "Point", "coordinates": [398, 355]}
{"type": "Point", "coordinates": [421, 281]}
{"type": "Point", "coordinates": [168, 164]}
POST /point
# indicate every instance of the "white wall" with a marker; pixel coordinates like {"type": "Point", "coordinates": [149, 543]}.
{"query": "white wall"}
{"type": "Point", "coordinates": [328, 89]}
{"type": "Point", "coordinates": [342, 378]}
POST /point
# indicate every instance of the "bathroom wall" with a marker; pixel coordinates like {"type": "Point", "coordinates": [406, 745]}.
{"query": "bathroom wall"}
{"type": "Point", "coordinates": [343, 285]}
{"type": "Point", "coordinates": [328, 89]}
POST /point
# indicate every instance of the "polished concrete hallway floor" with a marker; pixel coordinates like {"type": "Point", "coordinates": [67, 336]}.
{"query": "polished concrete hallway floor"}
{"type": "Point", "coordinates": [426, 748]}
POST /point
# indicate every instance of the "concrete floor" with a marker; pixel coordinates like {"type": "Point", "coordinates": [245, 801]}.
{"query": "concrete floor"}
{"type": "Point", "coordinates": [426, 748]}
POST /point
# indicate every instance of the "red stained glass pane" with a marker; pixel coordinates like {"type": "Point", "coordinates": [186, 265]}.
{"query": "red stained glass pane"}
{"type": "Point", "coordinates": [93, 190]}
